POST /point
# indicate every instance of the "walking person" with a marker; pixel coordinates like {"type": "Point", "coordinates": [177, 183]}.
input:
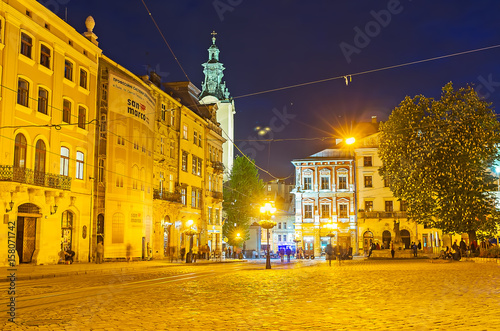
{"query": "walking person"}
{"type": "Point", "coordinates": [288, 253]}
{"type": "Point", "coordinates": [414, 249]}
{"type": "Point", "coordinates": [195, 254]}
{"type": "Point", "coordinates": [99, 252]}
{"type": "Point", "coordinates": [329, 254]}
{"type": "Point", "coordinates": [392, 249]}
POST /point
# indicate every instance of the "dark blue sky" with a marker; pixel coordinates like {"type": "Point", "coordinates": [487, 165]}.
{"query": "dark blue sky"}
{"type": "Point", "coordinates": [271, 44]}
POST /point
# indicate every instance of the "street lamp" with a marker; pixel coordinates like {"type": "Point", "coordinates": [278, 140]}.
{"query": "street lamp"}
{"type": "Point", "coordinates": [267, 223]}
{"type": "Point", "coordinates": [350, 141]}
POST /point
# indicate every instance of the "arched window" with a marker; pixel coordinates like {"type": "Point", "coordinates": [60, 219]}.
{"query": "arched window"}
{"type": "Point", "coordinates": [66, 229]}
{"type": "Point", "coordinates": [64, 161]}
{"type": "Point", "coordinates": [43, 101]}
{"type": "Point", "coordinates": [100, 225]}
{"type": "Point", "coordinates": [386, 238]}
{"type": "Point", "coordinates": [40, 156]}
{"type": "Point", "coordinates": [80, 162]}
{"type": "Point", "coordinates": [20, 151]}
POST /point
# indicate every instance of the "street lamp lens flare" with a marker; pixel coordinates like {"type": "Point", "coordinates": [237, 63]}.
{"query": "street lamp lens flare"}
{"type": "Point", "coordinates": [350, 140]}
{"type": "Point", "coordinates": [189, 223]}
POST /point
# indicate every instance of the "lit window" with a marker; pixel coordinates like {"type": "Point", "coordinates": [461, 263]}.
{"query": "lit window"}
{"type": "Point", "coordinates": [325, 182]}
{"type": "Point", "coordinates": [367, 161]}
{"type": "Point", "coordinates": [184, 161]}
{"type": "Point", "coordinates": [368, 206]}
{"type": "Point", "coordinates": [342, 183]}
{"type": "Point", "coordinates": [185, 132]}
{"type": "Point", "coordinates": [79, 165]}
{"type": "Point", "coordinates": [368, 181]}
{"type": "Point", "coordinates": [64, 166]}
{"type": "Point", "coordinates": [325, 211]}
{"type": "Point", "coordinates": [343, 210]}
{"type": "Point", "coordinates": [307, 183]}
{"type": "Point", "coordinates": [389, 206]}
{"type": "Point", "coordinates": [308, 211]}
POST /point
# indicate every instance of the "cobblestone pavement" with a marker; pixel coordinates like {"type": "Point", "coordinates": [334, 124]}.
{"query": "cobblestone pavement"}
{"type": "Point", "coordinates": [358, 295]}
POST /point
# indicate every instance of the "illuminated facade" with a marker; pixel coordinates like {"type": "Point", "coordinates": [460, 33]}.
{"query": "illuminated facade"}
{"type": "Point", "coordinates": [48, 74]}
{"type": "Point", "coordinates": [325, 197]}
{"type": "Point", "coordinates": [214, 91]}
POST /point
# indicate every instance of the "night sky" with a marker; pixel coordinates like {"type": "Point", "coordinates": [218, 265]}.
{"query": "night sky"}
{"type": "Point", "coordinates": [272, 44]}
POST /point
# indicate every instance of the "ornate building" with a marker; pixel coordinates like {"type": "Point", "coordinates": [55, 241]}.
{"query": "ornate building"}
{"type": "Point", "coordinates": [214, 91]}
{"type": "Point", "coordinates": [47, 109]}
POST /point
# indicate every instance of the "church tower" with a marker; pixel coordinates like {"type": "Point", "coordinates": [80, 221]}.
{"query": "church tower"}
{"type": "Point", "coordinates": [214, 91]}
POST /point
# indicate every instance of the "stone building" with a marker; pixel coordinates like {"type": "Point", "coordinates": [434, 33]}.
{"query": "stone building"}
{"type": "Point", "coordinates": [48, 74]}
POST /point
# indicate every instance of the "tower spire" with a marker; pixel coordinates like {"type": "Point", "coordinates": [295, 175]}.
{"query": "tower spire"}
{"type": "Point", "coordinates": [213, 70]}
{"type": "Point", "coordinates": [213, 37]}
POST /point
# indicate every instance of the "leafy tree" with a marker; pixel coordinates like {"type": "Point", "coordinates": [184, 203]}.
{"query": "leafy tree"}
{"type": "Point", "coordinates": [438, 156]}
{"type": "Point", "coordinates": [242, 193]}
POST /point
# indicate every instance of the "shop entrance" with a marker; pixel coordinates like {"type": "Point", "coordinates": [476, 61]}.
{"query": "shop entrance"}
{"type": "Point", "coordinates": [308, 247]}
{"type": "Point", "coordinates": [26, 231]}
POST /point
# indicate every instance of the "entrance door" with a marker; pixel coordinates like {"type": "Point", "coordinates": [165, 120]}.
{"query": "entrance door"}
{"type": "Point", "coordinates": [405, 238]}
{"type": "Point", "coordinates": [309, 248]}
{"type": "Point", "coordinates": [25, 238]}
{"type": "Point", "coordinates": [386, 239]}
{"type": "Point", "coordinates": [367, 240]}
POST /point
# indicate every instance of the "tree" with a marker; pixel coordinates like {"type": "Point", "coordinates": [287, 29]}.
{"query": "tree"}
{"type": "Point", "coordinates": [437, 156]}
{"type": "Point", "coordinates": [242, 193]}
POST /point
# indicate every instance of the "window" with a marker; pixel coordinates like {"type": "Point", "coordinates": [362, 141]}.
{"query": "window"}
{"type": "Point", "coordinates": [342, 183]}
{"type": "Point", "coordinates": [43, 101]}
{"type": "Point", "coordinates": [403, 205]}
{"type": "Point", "coordinates": [194, 163]}
{"type": "Point", "coordinates": [23, 88]}
{"type": "Point", "coordinates": [368, 181]}
{"type": "Point", "coordinates": [172, 149]}
{"type": "Point", "coordinates": [307, 183]}
{"type": "Point", "coordinates": [185, 132]}
{"type": "Point", "coordinates": [45, 56]}
{"type": "Point", "coordinates": [68, 70]}
{"type": "Point", "coordinates": [66, 111]}
{"type": "Point", "coordinates": [67, 229]}
{"type": "Point", "coordinates": [172, 117]}
{"type": "Point", "coordinates": [118, 229]}
{"type": "Point", "coordinates": [284, 225]}
{"type": "Point", "coordinates": [183, 196]}
{"type": "Point", "coordinates": [79, 165]}
{"type": "Point", "coordinates": [217, 217]}
{"type": "Point", "coordinates": [325, 211]}
{"type": "Point", "coordinates": [387, 182]}
{"type": "Point", "coordinates": [342, 210]}
{"type": "Point", "coordinates": [83, 78]}
{"type": "Point", "coordinates": [82, 116]}
{"type": "Point", "coordinates": [325, 182]}
{"type": "Point", "coordinates": [64, 167]}
{"type": "Point", "coordinates": [163, 112]}
{"type": "Point", "coordinates": [184, 161]}
{"type": "Point", "coordinates": [367, 161]}
{"type": "Point", "coordinates": [389, 206]}
{"type": "Point", "coordinates": [195, 137]}
{"type": "Point", "coordinates": [308, 211]}
{"type": "Point", "coordinates": [199, 139]}
{"type": "Point", "coordinates": [26, 45]}
{"type": "Point", "coordinates": [39, 174]}
{"type": "Point", "coordinates": [279, 237]}
{"type": "Point", "coordinates": [279, 225]}
{"type": "Point", "coordinates": [368, 206]}
{"type": "Point", "coordinates": [100, 174]}
{"type": "Point", "coordinates": [193, 197]}
{"type": "Point", "coordinates": [200, 164]}
{"type": "Point", "coordinates": [120, 140]}
{"type": "Point", "coordinates": [20, 151]}
{"type": "Point", "coordinates": [284, 237]}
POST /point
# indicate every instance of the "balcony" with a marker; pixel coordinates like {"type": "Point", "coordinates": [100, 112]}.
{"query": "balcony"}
{"type": "Point", "coordinates": [382, 214]}
{"type": "Point", "coordinates": [217, 195]}
{"type": "Point", "coordinates": [32, 177]}
{"type": "Point", "coordinates": [218, 166]}
{"type": "Point", "coordinates": [166, 196]}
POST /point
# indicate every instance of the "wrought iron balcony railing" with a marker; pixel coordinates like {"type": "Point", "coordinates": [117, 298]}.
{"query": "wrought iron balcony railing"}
{"type": "Point", "coordinates": [32, 177]}
{"type": "Point", "coordinates": [167, 196]}
{"type": "Point", "coordinates": [217, 195]}
{"type": "Point", "coordinates": [218, 166]}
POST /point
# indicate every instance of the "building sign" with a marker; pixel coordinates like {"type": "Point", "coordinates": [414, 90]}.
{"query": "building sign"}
{"type": "Point", "coordinates": [132, 100]}
{"type": "Point", "coordinates": [136, 219]}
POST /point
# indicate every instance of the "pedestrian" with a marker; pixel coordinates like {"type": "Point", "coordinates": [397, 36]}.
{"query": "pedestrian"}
{"type": "Point", "coordinates": [69, 254]}
{"type": "Point", "coordinates": [419, 246]}
{"type": "Point", "coordinates": [148, 251]}
{"type": "Point", "coordinates": [414, 249]}
{"type": "Point", "coordinates": [288, 253]}
{"type": "Point", "coordinates": [182, 252]}
{"type": "Point", "coordinates": [378, 246]}
{"type": "Point", "coordinates": [329, 254]}
{"type": "Point", "coordinates": [392, 249]}
{"type": "Point", "coordinates": [282, 255]}
{"type": "Point", "coordinates": [99, 252]}
{"type": "Point", "coordinates": [372, 247]}
{"type": "Point", "coordinates": [463, 247]}
{"type": "Point", "coordinates": [229, 252]}
{"type": "Point", "coordinates": [128, 252]}
{"type": "Point", "coordinates": [195, 254]}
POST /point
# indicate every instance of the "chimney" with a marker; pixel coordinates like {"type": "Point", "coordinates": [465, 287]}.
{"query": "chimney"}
{"type": "Point", "coordinates": [374, 119]}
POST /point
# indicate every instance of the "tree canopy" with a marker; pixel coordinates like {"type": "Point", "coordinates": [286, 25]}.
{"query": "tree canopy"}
{"type": "Point", "coordinates": [243, 191]}
{"type": "Point", "coordinates": [438, 156]}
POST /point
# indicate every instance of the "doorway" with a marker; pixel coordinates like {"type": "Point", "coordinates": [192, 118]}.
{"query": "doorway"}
{"type": "Point", "coordinates": [405, 238]}
{"type": "Point", "coordinates": [367, 241]}
{"type": "Point", "coordinates": [386, 239]}
{"type": "Point", "coordinates": [26, 231]}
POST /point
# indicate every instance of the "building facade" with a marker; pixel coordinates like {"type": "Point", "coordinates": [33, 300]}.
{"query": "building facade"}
{"type": "Point", "coordinates": [48, 74]}
{"type": "Point", "coordinates": [325, 201]}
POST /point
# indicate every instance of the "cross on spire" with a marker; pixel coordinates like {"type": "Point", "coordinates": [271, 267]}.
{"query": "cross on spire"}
{"type": "Point", "coordinates": [213, 36]}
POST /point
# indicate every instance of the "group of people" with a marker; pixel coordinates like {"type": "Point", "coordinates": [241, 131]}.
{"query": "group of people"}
{"type": "Point", "coordinates": [195, 253]}
{"type": "Point", "coordinates": [282, 252]}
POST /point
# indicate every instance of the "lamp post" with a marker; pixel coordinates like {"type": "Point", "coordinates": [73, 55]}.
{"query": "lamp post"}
{"type": "Point", "coordinates": [238, 239]}
{"type": "Point", "coordinates": [267, 223]}
{"type": "Point", "coordinates": [350, 141]}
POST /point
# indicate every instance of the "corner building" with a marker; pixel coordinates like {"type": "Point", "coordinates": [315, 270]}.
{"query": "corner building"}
{"type": "Point", "coordinates": [48, 75]}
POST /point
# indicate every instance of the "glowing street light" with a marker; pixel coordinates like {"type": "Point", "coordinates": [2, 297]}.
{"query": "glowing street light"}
{"type": "Point", "coordinates": [267, 223]}
{"type": "Point", "coordinates": [350, 140]}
